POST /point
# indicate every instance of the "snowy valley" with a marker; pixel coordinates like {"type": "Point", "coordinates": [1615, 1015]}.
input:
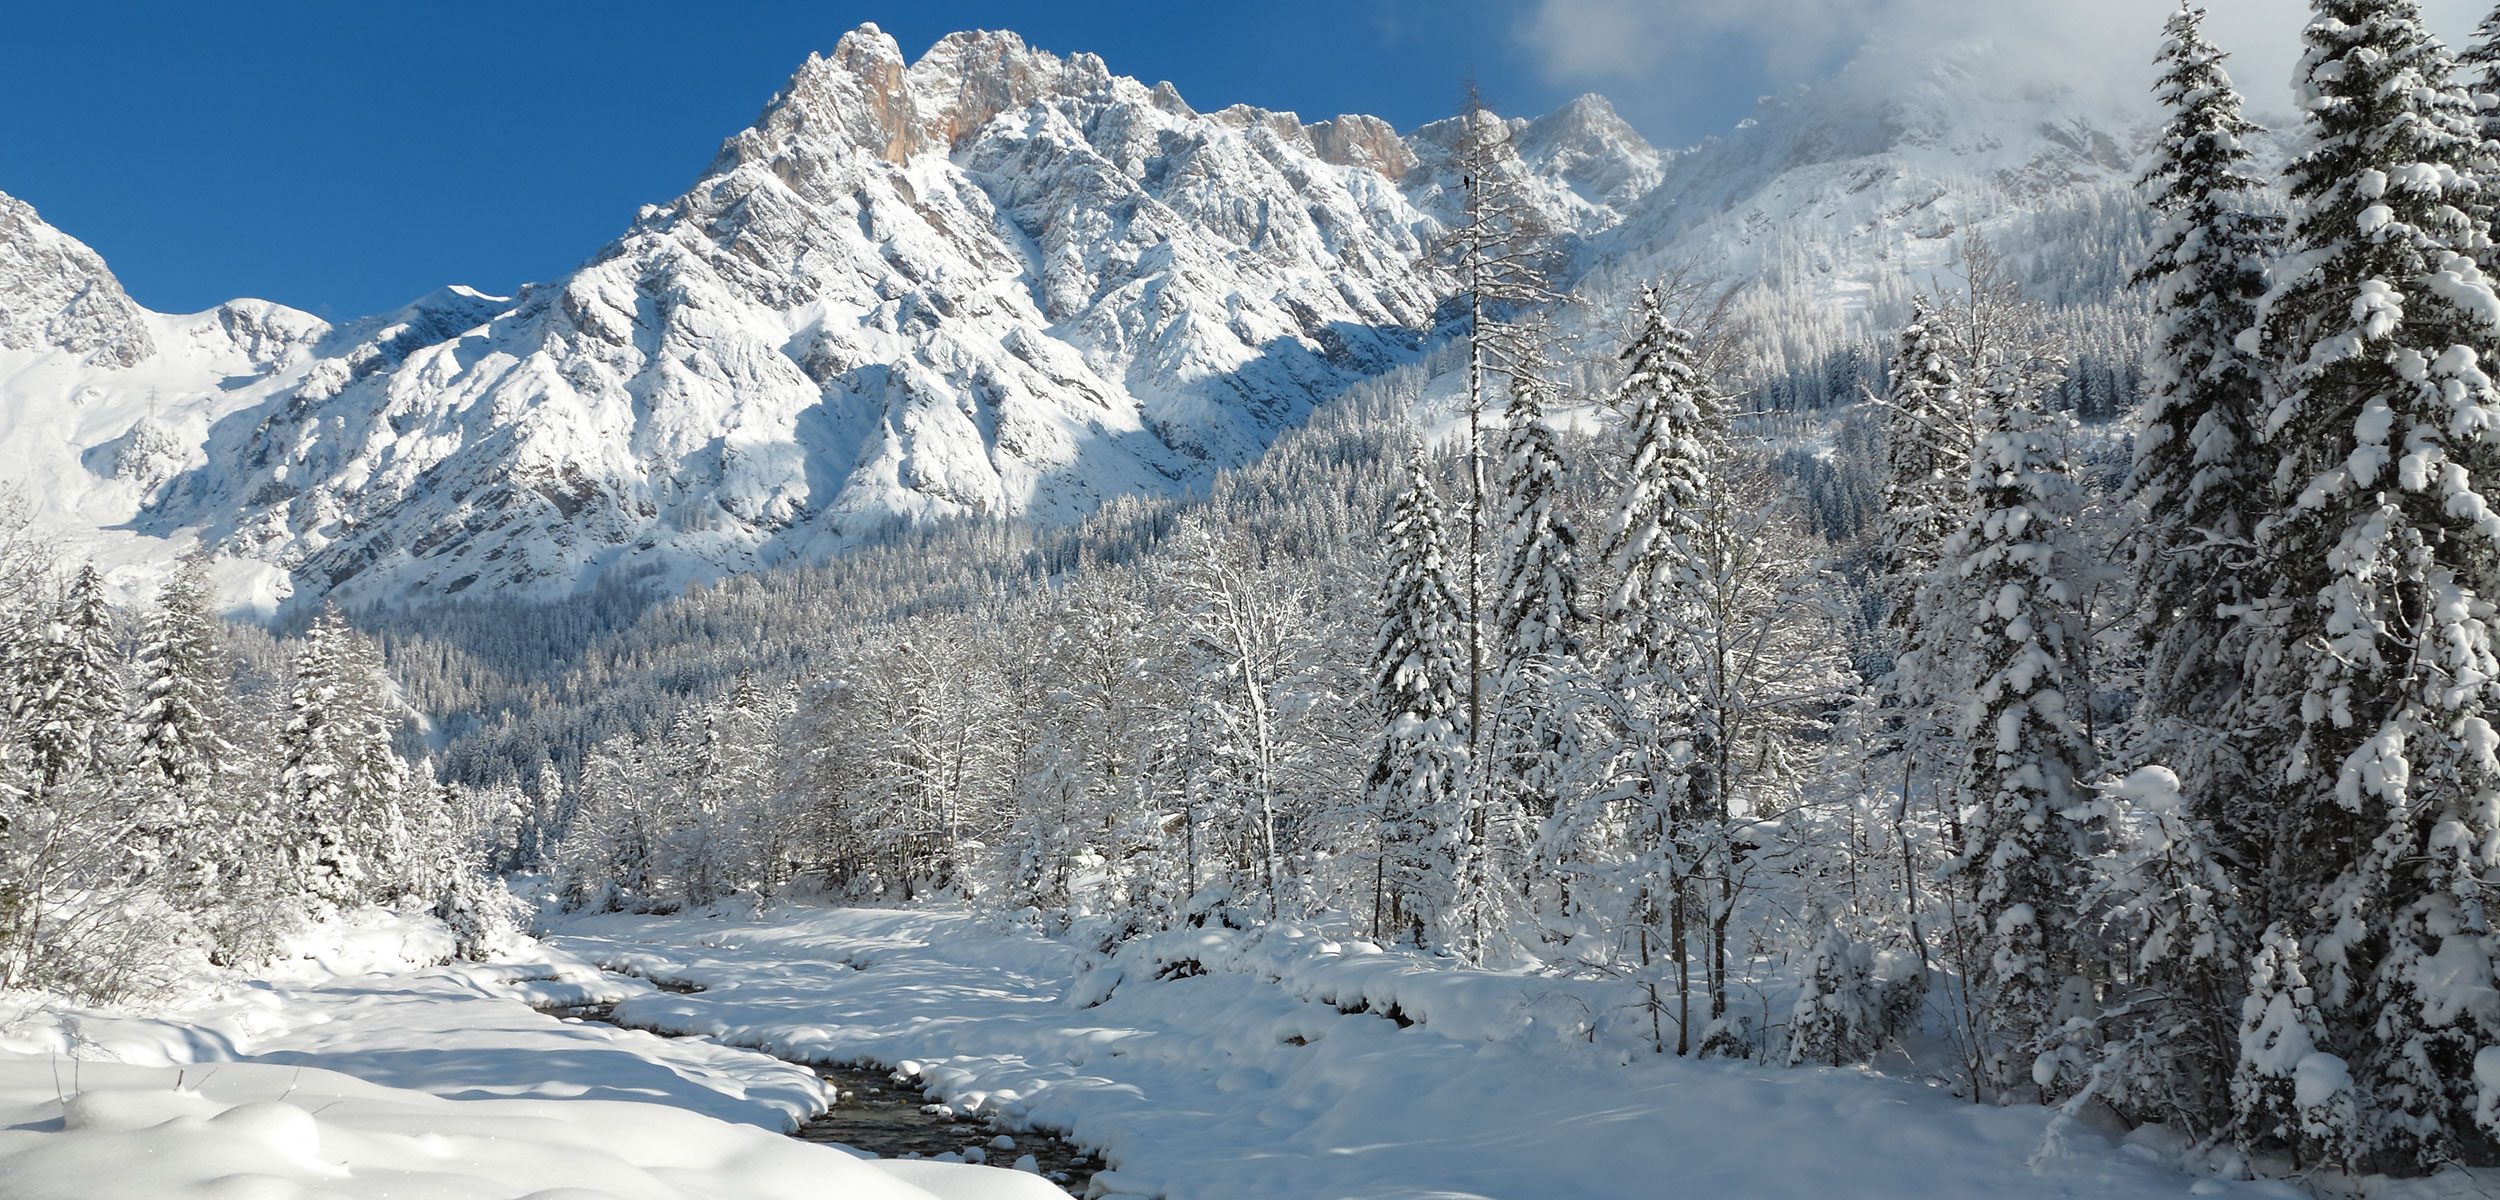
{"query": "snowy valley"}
{"type": "Point", "coordinates": [1020, 638]}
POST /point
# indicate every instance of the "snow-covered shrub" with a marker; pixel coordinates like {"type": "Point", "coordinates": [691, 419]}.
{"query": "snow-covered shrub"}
{"type": "Point", "coordinates": [1838, 1017]}
{"type": "Point", "coordinates": [481, 911]}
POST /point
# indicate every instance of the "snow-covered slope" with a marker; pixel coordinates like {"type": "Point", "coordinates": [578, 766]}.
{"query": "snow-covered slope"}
{"type": "Point", "coordinates": [1838, 193]}
{"type": "Point", "coordinates": [102, 402]}
{"type": "Point", "coordinates": [989, 281]}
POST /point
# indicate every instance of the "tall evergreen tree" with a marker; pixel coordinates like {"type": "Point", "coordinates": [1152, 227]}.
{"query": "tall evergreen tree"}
{"type": "Point", "coordinates": [179, 746]}
{"type": "Point", "coordinates": [1675, 426]}
{"type": "Point", "coordinates": [339, 780]}
{"type": "Point", "coordinates": [70, 700]}
{"type": "Point", "coordinates": [2024, 859]}
{"type": "Point", "coordinates": [2197, 473]}
{"type": "Point", "coordinates": [2480, 63]}
{"type": "Point", "coordinates": [1418, 685]}
{"type": "Point", "coordinates": [1929, 432]}
{"type": "Point", "coordinates": [177, 738]}
{"type": "Point", "coordinates": [1537, 616]}
{"type": "Point", "coordinates": [2380, 323]}
{"type": "Point", "coordinates": [1928, 412]}
{"type": "Point", "coordinates": [1537, 613]}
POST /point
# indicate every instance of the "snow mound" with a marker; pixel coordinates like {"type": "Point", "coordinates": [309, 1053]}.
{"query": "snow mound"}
{"type": "Point", "coordinates": [288, 1133]}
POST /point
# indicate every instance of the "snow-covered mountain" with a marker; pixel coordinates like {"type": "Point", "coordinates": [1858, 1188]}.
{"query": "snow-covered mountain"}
{"type": "Point", "coordinates": [989, 281]}
{"type": "Point", "coordinates": [1833, 201]}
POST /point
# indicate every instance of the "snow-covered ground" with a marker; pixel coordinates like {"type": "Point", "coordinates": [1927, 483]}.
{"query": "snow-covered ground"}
{"type": "Point", "coordinates": [1197, 1064]}
{"type": "Point", "coordinates": [360, 1074]}
{"type": "Point", "coordinates": [1248, 1080]}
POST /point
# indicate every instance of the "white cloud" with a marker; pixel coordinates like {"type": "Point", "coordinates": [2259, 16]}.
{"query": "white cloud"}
{"type": "Point", "coordinates": [1654, 54]}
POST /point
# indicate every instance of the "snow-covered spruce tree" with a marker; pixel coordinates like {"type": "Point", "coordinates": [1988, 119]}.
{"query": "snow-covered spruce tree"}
{"type": "Point", "coordinates": [2286, 1090]}
{"type": "Point", "coordinates": [176, 739]}
{"type": "Point", "coordinates": [2479, 63]}
{"type": "Point", "coordinates": [2481, 57]}
{"type": "Point", "coordinates": [1536, 617]}
{"type": "Point", "coordinates": [1675, 426]}
{"type": "Point", "coordinates": [2023, 862]}
{"type": "Point", "coordinates": [179, 748]}
{"type": "Point", "coordinates": [1536, 630]}
{"type": "Point", "coordinates": [1929, 431]}
{"type": "Point", "coordinates": [1837, 1018]}
{"type": "Point", "coordinates": [375, 820]}
{"type": "Point", "coordinates": [2172, 1032]}
{"type": "Point", "coordinates": [339, 779]}
{"type": "Point", "coordinates": [75, 916]}
{"type": "Point", "coordinates": [70, 701]}
{"type": "Point", "coordinates": [2380, 322]}
{"type": "Point", "coordinates": [1905, 725]}
{"type": "Point", "coordinates": [2198, 473]}
{"type": "Point", "coordinates": [1931, 410]}
{"type": "Point", "coordinates": [1418, 781]}
{"type": "Point", "coordinates": [312, 779]}
{"type": "Point", "coordinates": [1673, 421]}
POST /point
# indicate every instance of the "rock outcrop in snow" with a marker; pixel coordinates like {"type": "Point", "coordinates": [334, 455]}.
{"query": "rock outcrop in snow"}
{"type": "Point", "coordinates": [57, 293]}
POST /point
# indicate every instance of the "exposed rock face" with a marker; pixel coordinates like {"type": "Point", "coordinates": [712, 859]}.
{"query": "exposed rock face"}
{"type": "Point", "coordinates": [991, 281]}
{"type": "Point", "coordinates": [1355, 140]}
{"type": "Point", "coordinates": [55, 292]}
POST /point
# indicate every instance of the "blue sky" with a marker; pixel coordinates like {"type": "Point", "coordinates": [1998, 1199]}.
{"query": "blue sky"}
{"type": "Point", "coordinates": [345, 158]}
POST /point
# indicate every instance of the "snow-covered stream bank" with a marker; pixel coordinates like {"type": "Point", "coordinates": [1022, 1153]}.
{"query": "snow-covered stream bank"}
{"type": "Point", "coordinates": [877, 1111]}
{"type": "Point", "coordinates": [361, 1075]}
{"type": "Point", "coordinates": [1252, 1080]}
{"type": "Point", "coordinates": [1201, 1065]}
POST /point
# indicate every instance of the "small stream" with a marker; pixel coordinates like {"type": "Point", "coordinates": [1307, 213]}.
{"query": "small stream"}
{"type": "Point", "coordinates": [891, 1119]}
{"type": "Point", "coordinates": [878, 1113]}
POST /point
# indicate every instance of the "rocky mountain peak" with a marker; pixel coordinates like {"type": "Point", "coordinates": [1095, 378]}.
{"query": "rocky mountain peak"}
{"type": "Point", "coordinates": [972, 76]}
{"type": "Point", "coordinates": [55, 292]}
{"type": "Point", "coordinates": [1585, 144]}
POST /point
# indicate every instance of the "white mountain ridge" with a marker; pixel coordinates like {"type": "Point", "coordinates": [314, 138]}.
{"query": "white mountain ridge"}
{"type": "Point", "coordinates": [992, 281]}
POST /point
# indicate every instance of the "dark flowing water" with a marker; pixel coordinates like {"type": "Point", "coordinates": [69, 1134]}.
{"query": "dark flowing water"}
{"type": "Point", "coordinates": [878, 1114]}
{"type": "Point", "coordinates": [890, 1119]}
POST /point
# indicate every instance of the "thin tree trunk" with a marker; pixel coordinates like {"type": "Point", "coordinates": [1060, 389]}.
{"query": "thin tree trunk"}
{"type": "Point", "coordinates": [1909, 866]}
{"type": "Point", "coordinates": [1683, 971]}
{"type": "Point", "coordinates": [1475, 504]}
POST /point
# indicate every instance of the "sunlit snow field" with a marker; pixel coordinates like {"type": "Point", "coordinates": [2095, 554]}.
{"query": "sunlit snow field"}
{"type": "Point", "coordinates": [1237, 1074]}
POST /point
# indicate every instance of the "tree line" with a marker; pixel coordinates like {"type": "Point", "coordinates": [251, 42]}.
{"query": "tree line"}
{"type": "Point", "coordinates": [177, 791]}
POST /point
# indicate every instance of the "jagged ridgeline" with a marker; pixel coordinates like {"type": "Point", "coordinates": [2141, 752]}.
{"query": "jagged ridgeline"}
{"type": "Point", "coordinates": [993, 282]}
